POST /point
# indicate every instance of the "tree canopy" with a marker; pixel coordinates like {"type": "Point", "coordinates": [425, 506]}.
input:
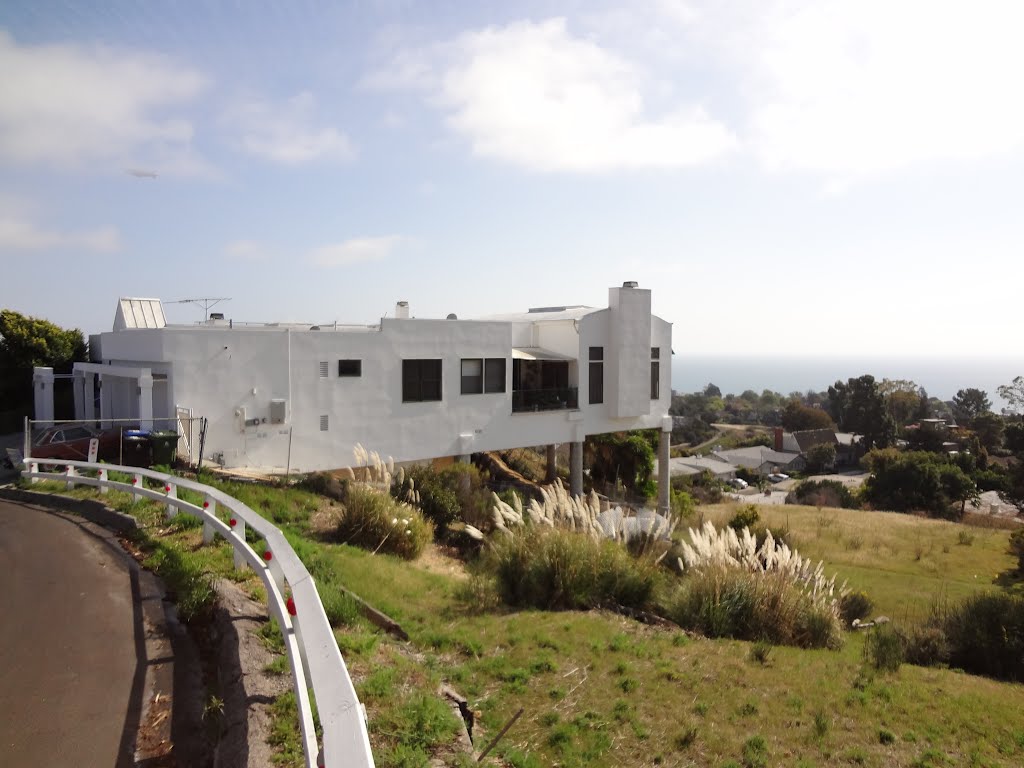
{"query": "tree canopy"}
{"type": "Point", "coordinates": [858, 406]}
{"type": "Point", "coordinates": [969, 404]}
{"type": "Point", "coordinates": [798, 417]}
{"type": "Point", "coordinates": [1013, 393]}
{"type": "Point", "coordinates": [26, 342]}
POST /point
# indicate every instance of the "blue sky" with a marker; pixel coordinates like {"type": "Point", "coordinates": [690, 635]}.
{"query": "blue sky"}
{"type": "Point", "coordinates": [837, 176]}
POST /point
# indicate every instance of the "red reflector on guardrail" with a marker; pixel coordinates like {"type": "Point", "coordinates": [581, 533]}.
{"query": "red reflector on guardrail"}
{"type": "Point", "coordinates": [268, 556]}
{"type": "Point", "coordinates": [167, 488]}
{"type": "Point", "coordinates": [232, 522]}
{"type": "Point", "coordinates": [206, 505]}
{"type": "Point", "coordinates": [290, 604]}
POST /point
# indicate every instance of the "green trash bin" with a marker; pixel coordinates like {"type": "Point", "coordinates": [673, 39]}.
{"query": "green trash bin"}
{"type": "Point", "coordinates": [165, 447]}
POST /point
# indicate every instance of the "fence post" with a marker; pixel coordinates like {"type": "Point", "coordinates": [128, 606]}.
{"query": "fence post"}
{"type": "Point", "coordinates": [274, 567]}
{"type": "Point", "coordinates": [208, 532]}
{"type": "Point", "coordinates": [137, 482]}
{"type": "Point", "coordinates": [297, 629]}
{"type": "Point", "coordinates": [33, 468]}
{"type": "Point", "coordinates": [103, 479]}
{"type": "Point", "coordinates": [172, 493]}
{"type": "Point", "coordinates": [26, 447]}
{"type": "Point", "coordinates": [70, 473]}
{"type": "Point", "coordinates": [238, 526]}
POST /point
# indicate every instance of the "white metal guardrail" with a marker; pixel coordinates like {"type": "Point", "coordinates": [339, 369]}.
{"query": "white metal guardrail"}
{"type": "Point", "coordinates": [309, 640]}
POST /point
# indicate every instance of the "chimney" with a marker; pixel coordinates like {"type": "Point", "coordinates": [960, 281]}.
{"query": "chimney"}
{"type": "Point", "coordinates": [402, 310]}
{"type": "Point", "coordinates": [778, 438]}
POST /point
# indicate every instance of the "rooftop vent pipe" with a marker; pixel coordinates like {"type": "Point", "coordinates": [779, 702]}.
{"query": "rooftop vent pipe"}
{"type": "Point", "coordinates": [631, 284]}
{"type": "Point", "coordinates": [402, 309]}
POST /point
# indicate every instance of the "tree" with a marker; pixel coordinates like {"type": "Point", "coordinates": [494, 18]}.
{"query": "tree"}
{"type": "Point", "coordinates": [820, 457]}
{"type": "Point", "coordinates": [712, 391]}
{"type": "Point", "coordinates": [858, 406]}
{"type": "Point", "coordinates": [1013, 393]}
{"type": "Point", "coordinates": [623, 456]}
{"type": "Point", "coordinates": [917, 480]}
{"type": "Point", "coordinates": [969, 404]}
{"type": "Point", "coordinates": [1013, 437]}
{"type": "Point", "coordinates": [27, 342]}
{"type": "Point", "coordinates": [797, 417]}
{"type": "Point", "coordinates": [989, 429]}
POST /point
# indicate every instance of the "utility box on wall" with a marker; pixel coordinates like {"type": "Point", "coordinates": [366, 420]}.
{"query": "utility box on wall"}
{"type": "Point", "coordinates": [278, 407]}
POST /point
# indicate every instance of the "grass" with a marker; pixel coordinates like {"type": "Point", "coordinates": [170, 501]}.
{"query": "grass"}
{"type": "Point", "coordinates": [602, 690]}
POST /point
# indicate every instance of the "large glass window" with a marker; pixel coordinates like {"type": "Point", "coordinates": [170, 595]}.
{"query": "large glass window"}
{"type": "Point", "coordinates": [596, 375]}
{"type": "Point", "coordinates": [494, 374]}
{"type": "Point", "coordinates": [421, 381]}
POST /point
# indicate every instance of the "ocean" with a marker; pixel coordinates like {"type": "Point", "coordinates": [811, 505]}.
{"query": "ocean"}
{"type": "Point", "coordinates": [941, 377]}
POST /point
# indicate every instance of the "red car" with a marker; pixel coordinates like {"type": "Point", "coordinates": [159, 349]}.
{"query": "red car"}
{"type": "Point", "coordinates": [72, 443]}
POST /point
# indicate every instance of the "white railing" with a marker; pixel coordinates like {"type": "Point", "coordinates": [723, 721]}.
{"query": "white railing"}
{"type": "Point", "coordinates": [309, 640]}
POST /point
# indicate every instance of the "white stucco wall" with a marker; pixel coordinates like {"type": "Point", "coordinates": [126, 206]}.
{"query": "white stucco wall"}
{"type": "Point", "coordinates": [217, 371]}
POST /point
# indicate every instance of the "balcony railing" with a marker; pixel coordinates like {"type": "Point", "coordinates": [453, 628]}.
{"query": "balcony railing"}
{"type": "Point", "coordinates": [528, 400]}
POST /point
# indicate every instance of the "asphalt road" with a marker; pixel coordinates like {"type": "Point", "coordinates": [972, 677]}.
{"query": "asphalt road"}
{"type": "Point", "coordinates": [70, 636]}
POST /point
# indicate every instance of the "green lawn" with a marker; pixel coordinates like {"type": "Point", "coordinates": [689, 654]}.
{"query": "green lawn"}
{"type": "Point", "coordinates": [602, 690]}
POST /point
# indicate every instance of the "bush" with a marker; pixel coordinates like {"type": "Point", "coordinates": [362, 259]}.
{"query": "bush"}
{"type": "Point", "coordinates": [556, 569]}
{"type": "Point", "coordinates": [745, 517]}
{"type": "Point", "coordinates": [325, 484]}
{"type": "Point", "coordinates": [854, 606]}
{"type": "Point", "coordinates": [823, 493]}
{"type": "Point", "coordinates": [1017, 547]}
{"type": "Point", "coordinates": [453, 494]}
{"type": "Point", "coordinates": [883, 648]}
{"type": "Point", "coordinates": [986, 635]}
{"type": "Point", "coordinates": [377, 522]}
{"type": "Point", "coordinates": [766, 606]}
{"type": "Point", "coordinates": [926, 646]}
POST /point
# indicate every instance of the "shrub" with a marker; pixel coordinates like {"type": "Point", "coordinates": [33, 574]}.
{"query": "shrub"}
{"type": "Point", "coordinates": [556, 569]}
{"type": "Point", "coordinates": [1017, 547]}
{"type": "Point", "coordinates": [375, 521]}
{"type": "Point", "coordinates": [883, 648]}
{"type": "Point", "coordinates": [926, 646]}
{"type": "Point", "coordinates": [823, 493]}
{"type": "Point", "coordinates": [986, 635]}
{"type": "Point", "coordinates": [745, 517]}
{"type": "Point", "coordinates": [753, 605]}
{"type": "Point", "coordinates": [854, 606]}
{"type": "Point", "coordinates": [325, 484]}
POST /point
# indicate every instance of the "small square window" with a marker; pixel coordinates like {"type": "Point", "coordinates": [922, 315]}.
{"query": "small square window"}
{"type": "Point", "coordinates": [597, 353]}
{"type": "Point", "coordinates": [655, 353]}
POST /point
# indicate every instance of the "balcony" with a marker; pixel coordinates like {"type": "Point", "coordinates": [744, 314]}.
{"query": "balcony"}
{"type": "Point", "coordinates": [533, 400]}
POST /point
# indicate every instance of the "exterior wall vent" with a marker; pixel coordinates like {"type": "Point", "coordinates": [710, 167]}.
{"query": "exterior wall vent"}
{"type": "Point", "coordinates": [323, 423]}
{"type": "Point", "coordinates": [323, 369]}
{"type": "Point", "coordinates": [277, 410]}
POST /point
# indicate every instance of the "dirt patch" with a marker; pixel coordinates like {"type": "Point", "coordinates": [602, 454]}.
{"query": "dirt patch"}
{"type": "Point", "coordinates": [442, 560]}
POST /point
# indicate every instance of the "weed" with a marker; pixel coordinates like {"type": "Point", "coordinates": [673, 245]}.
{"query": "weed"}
{"type": "Point", "coordinates": [854, 543]}
{"type": "Point", "coordinates": [278, 667]}
{"type": "Point", "coordinates": [886, 737]}
{"type": "Point", "coordinates": [685, 738]}
{"type": "Point", "coordinates": [964, 538]}
{"type": "Point", "coordinates": [854, 606]}
{"type": "Point", "coordinates": [760, 651]}
{"type": "Point", "coordinates": [822, 724]}
{"type": "Point", "coordinates": [628, 684]}
{"type": "Point", "coordinates": [883, 649]}
{"type": "Point", "coordinates": [701, 708]}
{"type": "Point", "coordinates": [755, 752]}
{"type": "Point", "coordinates": [748, 709]}
{"type": "Point", "coordinates": [548, 719]}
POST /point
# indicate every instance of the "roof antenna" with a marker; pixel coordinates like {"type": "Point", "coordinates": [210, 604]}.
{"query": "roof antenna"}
{"type": "Point", "coordinates": [206, 301]}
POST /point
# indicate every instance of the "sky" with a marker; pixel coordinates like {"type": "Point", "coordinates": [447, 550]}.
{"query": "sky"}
{"type": "Point", "coordinates": [840, 177]}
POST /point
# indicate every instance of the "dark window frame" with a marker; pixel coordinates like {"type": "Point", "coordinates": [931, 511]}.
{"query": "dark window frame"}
{"type": "Point", "coordinates": [497, 382]}
{"type": "Point", "coordinates": [471, 384]}
{"type": "Point", "coordinates": [350, 371]}
{"type": "Point", "coordinates": [419, 382]}
{"type": "Point", "coordinates": [596, 375]}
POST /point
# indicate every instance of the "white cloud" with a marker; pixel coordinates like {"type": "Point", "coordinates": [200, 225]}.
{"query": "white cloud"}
{"type": "Point", "coordinates": [354, 251]}
{"type": "Point", "coordinates": [533, 95]}
{"type": "Point", "coordinates": [66, 106]}
{"type": "Point", "coordinates": [286, 132]}
{"type": "Point", "coordinates": [20, 234]}
{"type": "Point", "coordinates": [855, 87]}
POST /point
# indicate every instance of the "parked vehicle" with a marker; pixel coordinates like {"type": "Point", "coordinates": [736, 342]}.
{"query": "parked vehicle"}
{"type": "Point", "coordinates": [71, 443]}
{"type": "Point", "coordinates": [737, 483]}
{"type": "Point", "coordinates": [778, 477]}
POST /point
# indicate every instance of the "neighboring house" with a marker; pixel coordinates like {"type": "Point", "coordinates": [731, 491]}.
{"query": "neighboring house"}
{"type": "Point", "coordinates": [848, 449]}
{"type": "Point", "coordinates": [763, 460]}
{"type": "Point", "coordinates": [278, 395]}
{"type": "Point", "coordinates": [694, 465]}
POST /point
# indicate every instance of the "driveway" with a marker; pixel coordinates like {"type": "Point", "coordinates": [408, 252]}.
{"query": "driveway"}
{"type": "Point", "coordinates": [73, 674]}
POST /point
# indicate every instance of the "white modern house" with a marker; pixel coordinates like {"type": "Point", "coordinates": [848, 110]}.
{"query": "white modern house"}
{"type": "Point", "coordinates": [411, 388]}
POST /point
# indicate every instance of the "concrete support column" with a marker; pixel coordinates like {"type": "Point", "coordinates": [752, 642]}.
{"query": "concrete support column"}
{"type": "Point", "coordinates": [89, 396]}
{"type": "Point", "coordinates": [145, 393]}
{"type": "Point", "coordinates": [552, 457]}
{"type": "Point", "coordinates": [104, 401]}
{"type": "Point", "coordinates": [42, 389]}
{"type": "Point", "coordinates": [78, 390]}
{"type": "Point", "coordinates": [576, 469]}
{"type": "Point", "coordinates": [664, 483]}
